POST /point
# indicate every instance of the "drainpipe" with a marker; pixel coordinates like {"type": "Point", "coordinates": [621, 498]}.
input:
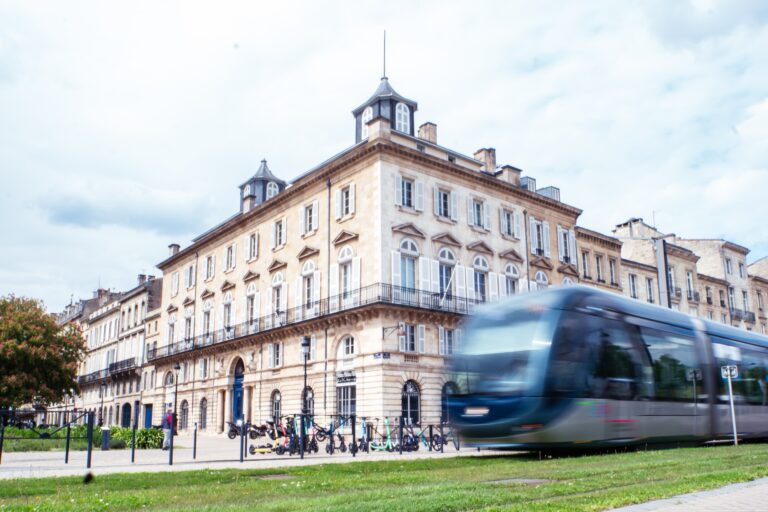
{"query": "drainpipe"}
{"type": "Point", "coordinates": [327, 273]}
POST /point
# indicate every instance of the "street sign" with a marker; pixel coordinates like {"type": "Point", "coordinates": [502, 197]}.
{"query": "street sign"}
{"type": "Point", "coordinates": [381, 355]}
{"type": "Point", "coordinates": [731, 371]}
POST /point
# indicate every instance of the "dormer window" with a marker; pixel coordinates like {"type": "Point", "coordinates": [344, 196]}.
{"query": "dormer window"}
{"type": "Point", "coordinates": [403, 118]}
{"type": "Point", "coordinates": [272, 189]}
{"type": "Point", "coordinates": [364, 120]}
{"type": "Point", "coordinates": [246, 190]}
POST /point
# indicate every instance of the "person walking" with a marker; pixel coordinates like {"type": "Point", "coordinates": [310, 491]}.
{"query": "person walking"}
{"type": "Point", "coordinates": [167, 429]}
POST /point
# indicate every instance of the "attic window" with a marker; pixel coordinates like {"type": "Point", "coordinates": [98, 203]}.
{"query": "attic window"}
{"type": "Point", "coordinates": [402, 118]}
{"type": "Point", "coordinates": [367, 116]}
{"type": "Point", "coordinates": [421, 147]}
{"type": "Point", "coordinates": [452, 159]}
{"type": "Point", "coordinates": [272, 189]}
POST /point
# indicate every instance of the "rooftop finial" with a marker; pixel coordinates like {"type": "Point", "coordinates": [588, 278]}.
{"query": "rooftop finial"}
{"type": "Point", "coordinates": [384, 76]}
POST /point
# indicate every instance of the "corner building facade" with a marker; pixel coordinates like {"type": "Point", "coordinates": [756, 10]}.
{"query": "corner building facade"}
{"type": "Point", "coordinates": [376, 255]}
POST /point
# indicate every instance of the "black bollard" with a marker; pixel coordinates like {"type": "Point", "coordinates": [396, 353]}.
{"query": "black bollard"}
{"type": "Point", "coordinates": [242, 435]}
{"type": "Point", "coordinates": [442, 438]}
{"type": "Point", "coordinates": [194, 442]}
{"type": "Point", "coordinates": [89, 435]}
{"type": "Point", "coordinates": [301, 437]}
{"type": "Point", "coordinates": [2, 435]}
{"type": "Point", "coordinates": [401, 435]}
{"type": "Point", "coordinates": [133, 443]}
{"type": "Point", "coordinates": [354, 437]}
{"type": "Point", "coordinates": [66, 447]}
{"type": "Point", "coordinates": [430, 438]}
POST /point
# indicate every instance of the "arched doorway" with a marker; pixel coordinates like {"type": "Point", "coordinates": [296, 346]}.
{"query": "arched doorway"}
{"type": "Point", "coordinates": [411, 406]}
{"type": "Point", "coordinates": [126, 415]}
{"type": "Point", "coordinates": [237, 391]}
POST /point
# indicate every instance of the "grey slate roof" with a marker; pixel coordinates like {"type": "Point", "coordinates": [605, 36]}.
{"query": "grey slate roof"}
{"type": "Point", "coordinates": [384, 90]}
{"type": "Point", "coordinates": [263, 173]}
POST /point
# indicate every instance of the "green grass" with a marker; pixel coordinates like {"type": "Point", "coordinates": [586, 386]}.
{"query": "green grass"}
{"type": "Point", "coordinates": [593, 482]}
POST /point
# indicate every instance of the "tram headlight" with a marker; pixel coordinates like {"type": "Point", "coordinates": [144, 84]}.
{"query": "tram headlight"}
{"type": "Point", "coordinates": [475, 411]}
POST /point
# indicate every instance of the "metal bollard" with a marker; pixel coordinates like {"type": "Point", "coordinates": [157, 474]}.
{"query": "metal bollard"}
{"type": "Point", "coordinates": [2, 435]}
{"type": "Point", "coordinates": [194, 442]}
{"type": "Point", "coordinates": [105, 439]}
{"type": "Point", "coordinates": [430, 438]}
{"type": "Point", "coordinates": [354, 437]}
{"type": "Point", "coordinates": [301, 437]}
{"type": "Point", "coordinates": [242, 436]}
{"type": "Point", "coordinates": [133, 443]}
{"type": "Point", "coordinates": [442, 438]}
{"type": "Point", "coordinates": [89, 435]}
{"type": "Point", "coordinates": [66, 447]}
{"type": "Point", "coordinates": [401, 435]}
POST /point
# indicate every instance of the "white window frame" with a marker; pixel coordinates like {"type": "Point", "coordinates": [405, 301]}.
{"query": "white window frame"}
{"type": "Point", "coordinates": [402, 118]}
{"type": "Point", "coordinates": [365, 118]}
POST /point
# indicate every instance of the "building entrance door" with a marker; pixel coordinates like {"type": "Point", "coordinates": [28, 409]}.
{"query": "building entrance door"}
{"type": "Point", "coordinates": [148, 416]}
{"type": "Point", "coordinates": [237, 392]}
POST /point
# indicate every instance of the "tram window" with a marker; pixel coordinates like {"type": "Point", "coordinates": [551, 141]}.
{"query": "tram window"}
{"type": "Point", "coordinates": [569, 354]}
{"type": "Point", "coordinates": [615, 361]}
{"type": "Point", "coordinates": [752, 375]}
{"type": "Point", "coordinates": [728, 355]}
{"type": "Point", "coordinates": [675, 365]}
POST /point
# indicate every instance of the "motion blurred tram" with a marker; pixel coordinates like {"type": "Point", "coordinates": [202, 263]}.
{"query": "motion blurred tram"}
{"type": "Point", "coordinates": [575, 367]}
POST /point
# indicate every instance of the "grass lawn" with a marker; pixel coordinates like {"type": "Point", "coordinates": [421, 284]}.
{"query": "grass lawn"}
{"type": "Point", "coordinates": [593, 482]}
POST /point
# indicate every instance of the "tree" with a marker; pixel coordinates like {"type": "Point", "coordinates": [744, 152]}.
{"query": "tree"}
{"type": "Point", "coordinates": [38, 357]}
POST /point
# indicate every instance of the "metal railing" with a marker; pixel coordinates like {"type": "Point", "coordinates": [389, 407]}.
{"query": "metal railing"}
{"type": "Point", "coordinates": [737, 314]}
{"type": "Point", "coordinates": [92, 377]}
{"type": "Point", "coordinates": [675, 292]}
{"type": "Point", "coordinates": [693, 296]}
{"type": "Point", "coordinates": [120, 366]}
{"type": "Point", "coordinates": [379, 293]}
{"type": "Point", "coordinates": [749, 316]}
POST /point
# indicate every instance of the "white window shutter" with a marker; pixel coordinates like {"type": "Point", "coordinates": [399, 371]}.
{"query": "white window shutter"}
{"type": "Point", "coordinates": [518, 224]}
{"type": "Point", "coordinates": [284, 298]}
{"type": "Point", "coordinates": [285, 230]}
{"type": "Point", "coordinates": [205, 268]}
{"type": "Point", "coordinates": [257, 245]}
{"type": "Point", "coordinates": [315, 214]}
{"type": "Point", "coordinates": [333, 287]}
{"type": "Point", "coordinates": [256, 304]}
{"type": "Point", "coordinates": [351, 198]}
{"type": "Point", "coordinates": [273, 238]}
{"type": "Point", "coordinates": [470, 213]}
{"type": "Point", "coordinates": [486, 216]}
{"type": "Point", "coordinates": [282, 354]}
{"type": "Point", "coordinates": [493, 285]}
{"type": "Point", "coordinates": [560, 248]}
{"type": "Point", "coordinates": [572, 243]}
{"type": "Point", "coordinates": [502, 221]}
{"type": "Point", "coordinates": [316, 293]}
{"type": "Point", "coordinates": [268, 310]}
{"type": "Point", "coordinates": [502, 285]}
{"type": "Point", "coordinates": [271, 356]}
{"type": "Point", "coordinates": [435, 274]}
{"type": "Point", "coordinates": [356, 280]}
{"type": "Point", "coordinates": [532, 221]}
{"type": "Point", "coordinates": [234, 254]}
{"type": "Point", "coordinates": [454, 206]}
{"type": "Point", "coordinates": [399, 190]}
{"type": "Point", "coordinates": [419, 203]}
{"type": "Point", "coordinates": [395, 268]}
{"type": "Point", "coordinates": [401, 335]}
{"type": "Point", "coordinates": [422, 338]}
{"type": "Point", "coordinates": [337, 199]}
{"type": "Point", "coordinates": [299, 302]}
{"type": "Point", "coordinates": [545, 230]}
{"type": "Point", "coordinates": [470, 276]}
{"type": "Point", "coordinates": [435, 200]}
{"type": "Point", "coordinates": [424, 281]}
{"type": "Point", "coordinates": [302, 214]}
{"type": "Point", "coordinates": [441, 339]}
{"type": "Point", "coordinates": [461, 286]}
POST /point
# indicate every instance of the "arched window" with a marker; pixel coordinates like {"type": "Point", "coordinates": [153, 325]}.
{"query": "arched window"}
{"type": "Point", "coordinates": [278, 279]}
{"type": "Point", "coordinates": [184, 417]}
{"type": "Point", "coordinates": [449, 388]}
{"type": "Point", "coordinates": [169, 379]}
{"type": "Point", "coordinates": [409, 251]}
{"type": "Point", "coordinates": [446, 262]}
{"type": "Point", "coordinates": [228, 315]}
{"type": "Point", "coordinates": [366, 117]}
{"type": "Point", "coordinates": [308, 400]}
{"type": "Point", "coordinates": [346, 254]}
{"type": "Point", "coordinates": [411, 403]}
{"type": "Point", "coordinates": [481, 278]}
{"type": "Point", "coordinates": [275, 404]}
{"type": "Point", "coordinates": [402, 118]}
{"type": "Point", "coordinates": [345, 354]}
{"type": "Point", "coordinates": [542, 281]}
{"type": "Point", "coordinates": [109, 421]}
{"type": "Point", "coordinates": [511, 279]}
{"type": "Point", "coordinates": [567, 281]}
{"type": "Point", "coordinates": [272, 189]}
{"type": "Point", "coordinates": [203, 414]}
{"type": "Point", "coordinates": [308, 268]}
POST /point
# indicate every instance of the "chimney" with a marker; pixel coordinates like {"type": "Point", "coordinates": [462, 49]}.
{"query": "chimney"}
{"type": "Point", "coordinates": [488, 157]}
{"type": "Point", "coordinates": [511, 175]}
{"type": "Point", "coordinates": [428, 132]}
{"type": "Point", "coordinates": [173, 249]}
{"type": "Point", "coordinates": [142, 279]}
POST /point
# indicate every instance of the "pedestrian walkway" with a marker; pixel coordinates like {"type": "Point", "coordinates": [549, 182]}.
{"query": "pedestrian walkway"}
{"type": "Point", "coordinates": [213, 452]}
{"type": "Point", "coordinates": [744, 497]}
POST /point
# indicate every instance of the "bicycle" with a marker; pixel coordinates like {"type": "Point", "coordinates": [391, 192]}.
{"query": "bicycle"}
{"type": "Point", "coordinates": [439, 440]}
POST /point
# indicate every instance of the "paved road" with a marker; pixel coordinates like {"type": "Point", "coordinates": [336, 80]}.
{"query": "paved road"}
{"type": "Point", "coordinates": [745, 497]}
{"type": "Point", "coordinates": [213, 452]}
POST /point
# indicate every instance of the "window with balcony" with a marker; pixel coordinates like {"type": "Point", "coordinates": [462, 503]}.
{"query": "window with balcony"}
{"type": "Point", "coordinates": [481, 268]}
{"type": "Point", "coordinates": [566, 245]}
{"type": "Point", "coordinates": [446, 263]}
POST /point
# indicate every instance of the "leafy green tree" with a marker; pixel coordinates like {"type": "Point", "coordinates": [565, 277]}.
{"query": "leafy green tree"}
{"type": "Point", "coordinates": [38, 358]}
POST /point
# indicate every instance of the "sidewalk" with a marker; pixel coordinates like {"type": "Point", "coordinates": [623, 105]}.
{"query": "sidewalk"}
{"type": "Point", "coordinates": [744, 497]}
{"type": "Point", "coordinates": [213, 452]}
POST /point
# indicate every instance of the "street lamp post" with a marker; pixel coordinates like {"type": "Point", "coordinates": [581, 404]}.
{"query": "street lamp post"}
{"type": "Point", "coordinates": [306, 342]}
{"type": "Point", "coordinates": [177, 367]}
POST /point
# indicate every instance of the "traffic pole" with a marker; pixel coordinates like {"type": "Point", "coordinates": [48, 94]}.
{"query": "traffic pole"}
{"type": "Point", "coordinates": [733, 411]}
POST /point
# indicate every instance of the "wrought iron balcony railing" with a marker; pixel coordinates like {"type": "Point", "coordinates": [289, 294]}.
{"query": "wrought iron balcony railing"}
{"type": "Point", "coordinates": [737, 314]}
{"type": "Point", "coordinates": [380, 293]}
{"type": "Point", "coordinates": [92, 377]}
{"type": "Point", "coordinates": [121, 366]}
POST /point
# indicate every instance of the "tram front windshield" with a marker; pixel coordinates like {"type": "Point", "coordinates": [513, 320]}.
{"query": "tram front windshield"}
{"type": "Point", "coordinates": [505, 351]}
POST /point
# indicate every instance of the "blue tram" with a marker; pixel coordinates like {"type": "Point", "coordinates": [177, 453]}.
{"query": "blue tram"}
{"type": "Point", "coordinates": [575, 367]}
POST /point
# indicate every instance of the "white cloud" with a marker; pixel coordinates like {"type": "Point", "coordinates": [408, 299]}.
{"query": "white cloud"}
{"type": "Point", "coordinates": [129, 126]}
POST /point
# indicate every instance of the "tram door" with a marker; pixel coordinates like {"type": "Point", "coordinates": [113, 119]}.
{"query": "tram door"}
{"type": "Point", "coordinates": [617, 379]}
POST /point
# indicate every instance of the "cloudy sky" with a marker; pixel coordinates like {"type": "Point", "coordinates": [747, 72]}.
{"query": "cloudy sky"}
{"type": "Point", "coordinates": [127, 126]}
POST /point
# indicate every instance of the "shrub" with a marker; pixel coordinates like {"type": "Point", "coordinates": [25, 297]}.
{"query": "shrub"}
{"type": "Point", "coordinates": [117, 444]}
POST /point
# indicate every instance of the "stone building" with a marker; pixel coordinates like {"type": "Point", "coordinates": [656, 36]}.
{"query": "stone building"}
{"type": "Point", "coordinates": [375, 255]}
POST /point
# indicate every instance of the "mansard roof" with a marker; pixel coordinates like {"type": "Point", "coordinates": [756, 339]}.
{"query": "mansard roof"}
{"type": "Point", "coordinates": [385, 91]}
